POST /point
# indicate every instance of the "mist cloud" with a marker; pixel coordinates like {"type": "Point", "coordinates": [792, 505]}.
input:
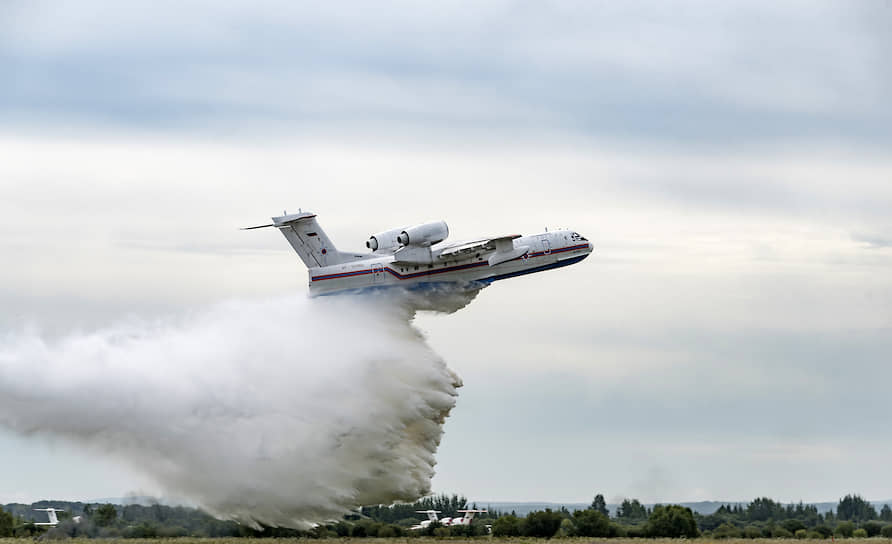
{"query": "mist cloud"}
{"type": "Point", "coordinates": [282, 411]}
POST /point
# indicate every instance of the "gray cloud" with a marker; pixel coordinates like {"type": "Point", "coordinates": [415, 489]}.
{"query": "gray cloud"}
{"type": "Point", "coordinates": [874, 240]}
{"type": "Point", "coordinates": [748, 383]}
{"type": "Point", "coordinates": [743, 74]}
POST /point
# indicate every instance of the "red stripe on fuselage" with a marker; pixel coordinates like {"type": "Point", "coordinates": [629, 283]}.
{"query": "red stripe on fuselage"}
{"type": "Point", "coordinates": [433, 271]}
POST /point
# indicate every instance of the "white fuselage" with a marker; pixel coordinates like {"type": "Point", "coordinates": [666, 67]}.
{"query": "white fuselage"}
{"type": "Point", "coordinates": [382, 269]}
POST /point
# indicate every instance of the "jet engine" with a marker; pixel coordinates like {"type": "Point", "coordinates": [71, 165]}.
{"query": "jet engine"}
{"type": "Point", "coordinates": [426, 234]}
{"type": "Point", "coordinates": [384, 240]}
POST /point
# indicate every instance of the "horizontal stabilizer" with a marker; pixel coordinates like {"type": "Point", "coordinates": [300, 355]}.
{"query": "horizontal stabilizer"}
{"type": "Point", "coordinates": [284, 220]}
{"type": "Point", "coordinates": [258, 227]}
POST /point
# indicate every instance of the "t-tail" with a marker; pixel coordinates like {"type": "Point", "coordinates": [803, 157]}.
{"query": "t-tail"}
{"type": "Point", "coordinates": [51, 515]}
{"type": "Point", "coordinates": [468, 516]}
{"type": "Point", "coordinates": [308, 239]}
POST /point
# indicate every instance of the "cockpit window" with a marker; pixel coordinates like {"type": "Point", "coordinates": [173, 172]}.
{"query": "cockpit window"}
{"type": "Point", "coordinates": [576, 237]}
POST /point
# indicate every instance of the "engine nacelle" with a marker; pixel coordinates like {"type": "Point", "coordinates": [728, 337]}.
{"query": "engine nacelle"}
{"type": "Point", "coordinates": [425, 235]}
{"type": "Point", "coordinates": [384, 240]}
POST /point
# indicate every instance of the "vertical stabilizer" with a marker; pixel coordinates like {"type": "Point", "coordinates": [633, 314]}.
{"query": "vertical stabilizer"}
{"type": "Point", "coordinates": [51, 515]}
{"type": "Point", "coordinates": [310, 242]}
{"type": "Point", "coordinates": [308, 239]}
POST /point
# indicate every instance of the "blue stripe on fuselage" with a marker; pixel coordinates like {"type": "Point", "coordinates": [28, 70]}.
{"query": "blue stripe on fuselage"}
{"type": "Point", "coordinates": [433, 271]}
{"type": "Point", "coordinates": [559, 264]}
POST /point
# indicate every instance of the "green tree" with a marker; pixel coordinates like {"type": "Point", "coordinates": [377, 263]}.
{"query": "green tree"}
{"type": "Point", "coordinates": [631, 510]}
{"type": "Point", "coordinates": [763, 509]}
{"type": "Point", "coordinates": [591, 523]}
{"type": "Point", "coordinates": [474, 529]}
{"type": "Point", "coordinates": [671, 521]}
{"type": "Point", "coordinates": [854, 508]}
{"type": "Point", "coordinates": [542, 524]}
{"type": "Point", "coordinates": [845, 529]}
{"type": "Point", "coordinates": [859, 533]}
{"type": "Point", "coordinates": [6, 523]}
{"type": "Point", "coordinates": [780, 532]}
{"type": "Point", "coordinates": [390, 531]}
{"type": "Point", "coordinates": [726, 530]}
{"type": "Point", "coordinates": [143, 530]}
{"type": "Point", "coordinates": [873, 528]}
{"type": "Point", "coordinates": [567, 528]}
{"type": "Point", "coordinates": [600, 505]}
{"type": "Point", "coordinates": [448, 505]}
{"type": "Point", "coordinates": [793, 525]}
{"type": "Point", "coordinates": [105, 515]}
{"type": "Point", "coordinates": [342, 529]}
{"type": "Point", "coordinates": [506, 526]}
{"type": "Point", "coordinates": [886, 531]}
{"type": "Point", "coordinates": [886, 513]}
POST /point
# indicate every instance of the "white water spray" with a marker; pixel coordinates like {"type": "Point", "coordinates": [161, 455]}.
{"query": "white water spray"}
{"type": "Point", "coordinates": [278, 412]}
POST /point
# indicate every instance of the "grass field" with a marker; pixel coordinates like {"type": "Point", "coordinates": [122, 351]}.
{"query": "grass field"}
{"type": "Point", "coordinates": [430, 540]}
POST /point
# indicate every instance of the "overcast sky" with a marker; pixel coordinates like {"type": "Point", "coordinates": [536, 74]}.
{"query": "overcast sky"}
{"type": "Point", "coordinates": [729, 338]}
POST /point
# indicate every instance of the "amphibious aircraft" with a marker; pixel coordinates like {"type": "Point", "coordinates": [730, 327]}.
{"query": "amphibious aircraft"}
{"type": "Point", "coordinates": [419, 256]}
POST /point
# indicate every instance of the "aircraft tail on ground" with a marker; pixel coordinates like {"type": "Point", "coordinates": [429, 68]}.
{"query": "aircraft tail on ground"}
{"type": "Point", "coordinates": [51, 515]}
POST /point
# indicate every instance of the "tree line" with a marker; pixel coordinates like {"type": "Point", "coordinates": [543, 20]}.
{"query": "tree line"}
{"type": "Point", "coordinates": [760, 518]}
{"type": "Point", "coordinates": [763, 517]}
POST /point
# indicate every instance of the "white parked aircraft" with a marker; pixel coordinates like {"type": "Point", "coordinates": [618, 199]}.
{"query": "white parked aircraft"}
{"type": "Point", "coordinates": [419, 256]}
{"type": "Point", "coordinates": [446, 522]}
{"type": "Point", "coordinates": [431, 517]}
{"type": "Point", "coordinates": [53, 518]}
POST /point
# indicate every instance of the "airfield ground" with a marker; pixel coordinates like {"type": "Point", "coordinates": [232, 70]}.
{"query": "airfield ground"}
{"type": "Point", "coordinates": [430, 540]}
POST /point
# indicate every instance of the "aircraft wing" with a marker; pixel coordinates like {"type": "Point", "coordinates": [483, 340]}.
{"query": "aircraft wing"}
{"type": "Point", "coordinates": [476, 246]}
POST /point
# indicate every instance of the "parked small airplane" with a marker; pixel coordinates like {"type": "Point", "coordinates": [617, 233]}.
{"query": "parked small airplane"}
{"type": "Point", "coordinates": [53, 518]}
{"type": "Point", "coordinates": [446, 522]}
{"type": "Point", "coordinates": [419, 256]}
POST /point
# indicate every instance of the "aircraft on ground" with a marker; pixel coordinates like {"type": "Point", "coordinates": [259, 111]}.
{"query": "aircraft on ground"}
{"type": "Point", "coordinates": [53, 518]}
{"type": "Point", "coordinates": [419, 256]}
{"type": "Point", "coordinates": [446, 522]}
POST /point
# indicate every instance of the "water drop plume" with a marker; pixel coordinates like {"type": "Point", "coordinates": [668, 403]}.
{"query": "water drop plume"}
{"type": "Point", "coordinates": [278, 412]}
